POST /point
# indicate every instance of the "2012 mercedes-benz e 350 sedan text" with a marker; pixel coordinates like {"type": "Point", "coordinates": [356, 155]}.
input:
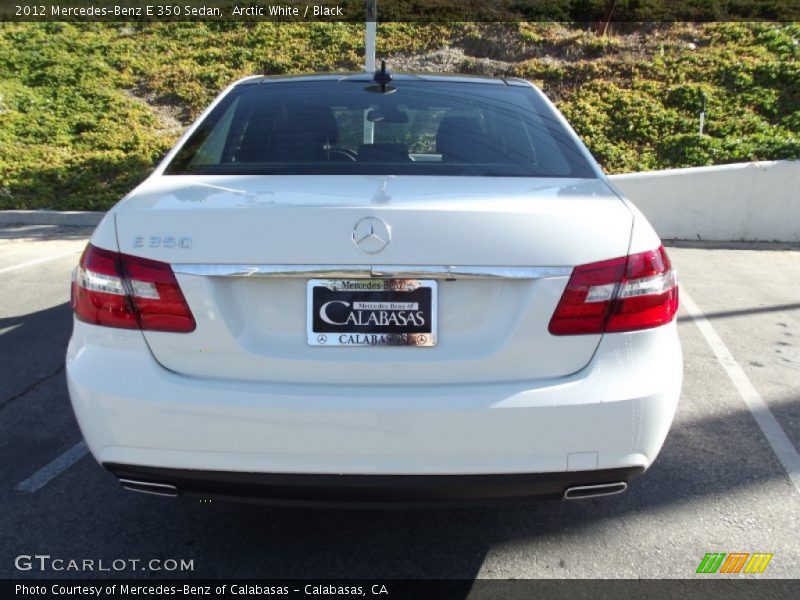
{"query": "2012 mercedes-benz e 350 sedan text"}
{"type": "Point", "coordinates": [358, 289]}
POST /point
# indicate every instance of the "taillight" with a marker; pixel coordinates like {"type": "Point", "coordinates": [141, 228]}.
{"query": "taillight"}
{"type": "Point", "coordinates": [118, 290]}
{"type": "Point", "coordinates": [639, 291]}
{"type": "Point", "coordinates": [99, 295]}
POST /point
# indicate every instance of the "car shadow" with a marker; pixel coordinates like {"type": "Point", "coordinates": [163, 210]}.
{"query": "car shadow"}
{"type": "Point", "coordinates": [744, 312]}
{"type": "Point", "coordinates": [32, 348]}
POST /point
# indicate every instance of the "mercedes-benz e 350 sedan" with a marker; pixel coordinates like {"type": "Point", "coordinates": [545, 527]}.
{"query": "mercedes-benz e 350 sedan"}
{"type": "Point", "coordinates": [341, 288]}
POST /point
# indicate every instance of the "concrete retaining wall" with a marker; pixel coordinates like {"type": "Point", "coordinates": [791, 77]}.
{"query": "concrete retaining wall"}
{"type": "Point", "coordinates": [742, 202]}
{"type": "Point", "coordinates": [65, 218]}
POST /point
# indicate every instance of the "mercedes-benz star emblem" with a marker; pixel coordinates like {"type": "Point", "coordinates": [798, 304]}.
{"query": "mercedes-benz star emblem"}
{"type": "Point", "coordinates": [371, 235]}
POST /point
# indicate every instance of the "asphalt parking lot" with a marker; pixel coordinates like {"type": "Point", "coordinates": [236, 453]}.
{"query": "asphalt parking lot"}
{"type": "Point", "coordinates": [727, 479]}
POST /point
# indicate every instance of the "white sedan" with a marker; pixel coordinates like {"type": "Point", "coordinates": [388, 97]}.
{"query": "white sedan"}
{"type": "Point", "coordinates": [359, 289]}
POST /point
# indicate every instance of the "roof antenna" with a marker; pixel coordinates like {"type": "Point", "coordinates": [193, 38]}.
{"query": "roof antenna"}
{"type": "Point", "coordinates": [382, 77]}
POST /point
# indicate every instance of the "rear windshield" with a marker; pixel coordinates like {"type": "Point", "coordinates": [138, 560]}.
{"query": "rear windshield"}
{"type": "Point", "coordinates": [350, 128]}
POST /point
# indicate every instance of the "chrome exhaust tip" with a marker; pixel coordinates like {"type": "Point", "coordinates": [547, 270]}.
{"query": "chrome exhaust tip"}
{"type": "Point", "coordinates": [579, 492]}
{"type": "Point", "coordinates": [149, 487]}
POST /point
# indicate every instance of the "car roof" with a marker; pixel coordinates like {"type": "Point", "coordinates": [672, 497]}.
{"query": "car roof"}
{"type": "Point", "coordinates": [364, 76]}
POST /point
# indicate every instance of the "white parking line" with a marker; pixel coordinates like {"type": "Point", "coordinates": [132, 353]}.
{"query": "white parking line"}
{"type": "Point", "coordinates": [776, 437]}
{"type": "Point", "coordinates": [49, 472]}
{"type": "Point", "coordinates": [39, 261]}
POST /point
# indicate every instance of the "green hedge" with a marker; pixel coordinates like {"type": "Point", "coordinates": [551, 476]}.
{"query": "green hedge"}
{"type": "Point", "coordinates": [75, 132]}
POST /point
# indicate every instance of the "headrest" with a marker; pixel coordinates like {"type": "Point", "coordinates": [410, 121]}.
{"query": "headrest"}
{"type": "Point", "coordinates": [464, 140]}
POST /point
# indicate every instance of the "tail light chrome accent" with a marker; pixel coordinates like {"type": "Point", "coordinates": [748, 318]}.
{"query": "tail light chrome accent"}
{"type": "Point", "coordinates": [119, 290]}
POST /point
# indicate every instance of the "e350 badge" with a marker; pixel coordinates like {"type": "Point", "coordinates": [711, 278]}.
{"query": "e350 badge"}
{"type": "Point", "coordinates": [162, 241]}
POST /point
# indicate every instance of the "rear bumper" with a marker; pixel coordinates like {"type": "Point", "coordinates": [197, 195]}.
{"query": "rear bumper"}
{"type": "Point", "coordinates": [613, 414]}
{"type": "Point", "coordinates": [366, 490]}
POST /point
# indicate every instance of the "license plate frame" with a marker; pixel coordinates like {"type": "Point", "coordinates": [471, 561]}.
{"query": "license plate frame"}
{"type": "Point", "coordinates": [360, 322]}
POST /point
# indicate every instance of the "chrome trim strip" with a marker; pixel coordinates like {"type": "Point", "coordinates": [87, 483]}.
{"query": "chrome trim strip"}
{"type": "Point", "coordinates": [367, 271]}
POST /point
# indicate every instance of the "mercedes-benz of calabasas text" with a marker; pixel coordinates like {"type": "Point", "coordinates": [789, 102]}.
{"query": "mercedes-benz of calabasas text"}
{"type": "Point", "coordinates": [361, 288]}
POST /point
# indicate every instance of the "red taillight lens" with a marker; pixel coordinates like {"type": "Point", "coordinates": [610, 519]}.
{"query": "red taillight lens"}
{"type": "Point", "coordinates": [117, 290]}
{"type": "Point", "coordinates": [98, 291]}
{"type": "Point", "coordinates": [648, 297]}
{"type": "Point", "coordinates": [622, 294]}
{"type": "Point", "coordinates": [156, 295]}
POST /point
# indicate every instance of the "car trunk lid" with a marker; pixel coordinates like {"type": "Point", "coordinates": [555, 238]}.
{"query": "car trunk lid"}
{"type": "Point", "coordinates": [499, 249]}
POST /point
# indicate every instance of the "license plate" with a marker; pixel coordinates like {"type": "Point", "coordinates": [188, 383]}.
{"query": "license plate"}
{"type": "Point", "coordinates": [371, 312]}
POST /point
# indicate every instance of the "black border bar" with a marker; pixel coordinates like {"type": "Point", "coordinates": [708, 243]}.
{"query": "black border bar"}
{"type": "Point", "coordinates": [395, 589]}
{"type": "Point", "coordinates": [430, 11]}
